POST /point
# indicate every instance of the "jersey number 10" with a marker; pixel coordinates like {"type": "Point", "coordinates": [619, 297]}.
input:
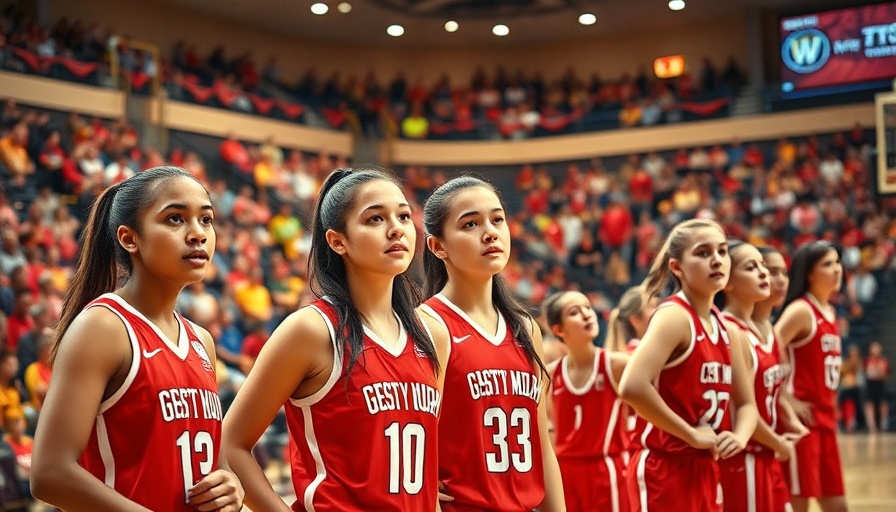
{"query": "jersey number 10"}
{"type": "Point", "coordinates": [406, 452]}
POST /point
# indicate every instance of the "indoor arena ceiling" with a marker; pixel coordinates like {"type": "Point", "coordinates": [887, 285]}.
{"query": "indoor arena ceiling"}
{"type": "Point", "coordinates": [528, 21]}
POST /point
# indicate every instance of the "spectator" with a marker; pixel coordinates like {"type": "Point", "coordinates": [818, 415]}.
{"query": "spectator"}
{"type": "Point", "coordinates": [877, 407]}
{"type": "Point", "coordinates": [14, 152]}
{"type": "Point", "coordinates": [21, 444]}
{"type": "Point", "coordinates": [254, 299]}
{"type": "Point", "coordinates": [38, 373]}
{"type": "Point", "coordinates": [850, 397]}
{"type": "Point", "coordinates": [20, 321]}
{"type": "Point", "coordinates": [11, 255]}
{"type": "Point", "coordinates": [27, 349]}
{"type": "Point", "coordinates": [10, 396]}
{"type": "Point", "coordinates": [415, 125]}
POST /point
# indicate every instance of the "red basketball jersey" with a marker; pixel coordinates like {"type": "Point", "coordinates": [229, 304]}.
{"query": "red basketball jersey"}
{"type": "Point", "coordinates": [815, 366]}
{"type": "Point", "coordinates": [159, 434]}
{"type": "Point", "coordinates": [696, 385]}
{"type": "Point", "coordinates": [367, 441]}
{"type": "Point", "coordinates": [586, 419]}
{"type": "Point", "coordinates": [489, 444]}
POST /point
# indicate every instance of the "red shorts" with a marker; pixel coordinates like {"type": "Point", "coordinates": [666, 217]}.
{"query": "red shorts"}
{"type": "Point", "coordinates": [448, 506]}
{"type": "Point", "coordinates": [815, 469]}
{"type": "Point", "coordinates": [747, 482]}
{"type": "Point", "coordinates": [673, 482]}
{"type": "Point", "coordinates": [594, 483]}
{"type": "Point", "coordinates": [780, 489]}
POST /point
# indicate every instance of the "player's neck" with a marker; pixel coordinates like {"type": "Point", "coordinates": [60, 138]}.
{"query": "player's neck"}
{"type": "Point", "coordinates": [820, 297]}
{"type": "Point", "coordinates": [762, 312]}
{"type": "Point", "coordinates": [153, 300]}
{"type": "Point", "coordinates": [581, 355]}
{"type": "Point", "coordinates": [701, 303]}
{"type": "Point", "coordinates": [372, 298]}
{"type": "Point", "coordinates": [741, 310]}
{"type": "Point", "coordinates": [474, 297]}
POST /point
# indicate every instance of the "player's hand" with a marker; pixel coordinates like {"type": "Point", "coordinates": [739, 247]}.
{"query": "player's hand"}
{"type": "Point", "coordinates": [220, 490]}
{"type": "Point", "coordinates": [442, 495]}
{"type": "Point", "coordinates": [796, 432]}
{"type": "Point", "coordinates": [703, 437]}
{"type": "Point", "coordinates": [785, 449]}
{"type": "Point", "coordinates": [728, 445]}
{"type": "Point", "coordinates": [803, 411]}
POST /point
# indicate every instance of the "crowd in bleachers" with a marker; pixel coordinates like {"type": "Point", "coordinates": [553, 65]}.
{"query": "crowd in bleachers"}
{"type": "Point", "coordinates": [501, 104]}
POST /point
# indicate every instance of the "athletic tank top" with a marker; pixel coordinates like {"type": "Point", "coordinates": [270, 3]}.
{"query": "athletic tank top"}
{"type": "Point", "coordinates": [696, 385]}
{"type": "Point", "coordinates": [368, 440]}
{"type": "Point", "coordinates": [160, 433]}
{"type": "Point", "coordinates": [587, 419]}
{"type": "Point", "coordinates": [489, 443]}
{"type": "Point", "coordinates": [815, 365]}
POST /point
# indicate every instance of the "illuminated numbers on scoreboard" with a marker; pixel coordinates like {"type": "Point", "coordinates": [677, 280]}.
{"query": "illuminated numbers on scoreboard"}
{"type": "Point", "coordinates": [501, 460]}
{"type": "Point", "coordinates": [202, 445]}
{"type": "Point", "coordinates": [406, 452]}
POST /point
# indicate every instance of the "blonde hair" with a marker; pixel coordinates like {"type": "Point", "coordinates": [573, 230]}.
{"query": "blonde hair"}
{"type": "Point", "coordinates": [674, 246]}
{"type": "Point", "coordinates": [619, 328]}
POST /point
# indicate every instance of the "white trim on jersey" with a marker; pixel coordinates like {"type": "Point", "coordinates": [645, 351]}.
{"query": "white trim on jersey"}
{"type": "Point", "coordinates": [611, 425]}
{"type": "Point", "coordinates": [647, 429]}
{"type": "Point", "coordinates": [614, 485]}
{"type": "Point", "coordinates": [791, 355]}
{"type": "Point", "coordinates": [807, 339]}
{"type": "Point", "coordinates": [750, 468]}
{"type": "Point", "coordinates": [320, 467]}
{"type": "Point", "coordinates": [794, 475]}
{"type": "Point", "coordinates": [680, 359]}
{"type": "Point", "coordinates": [102, 441]}
{"type": "Point", "coordinates": [395, 349]}
{"type": "Point", "coordinates": [438, 318]}
{"type": "Point", "coordinates": [608, 368]}
{"type": "Point", "coordinates": [495, 339]}
{"type": "Point", "coordinates": [135, 362]}
{"type": "Point", "coordinates": [181, 349]}
{"type": "Point", "coordinates": [335, 372]}
{"type": "Point", "coordinates": [642, 478]}
{"type": "Point", "coordinates": [567, 381]}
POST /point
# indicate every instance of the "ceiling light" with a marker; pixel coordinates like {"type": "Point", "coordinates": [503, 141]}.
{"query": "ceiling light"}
{"type": "Point", "coordinates": [451, 26]}
{"type": "Point", "coordinates": [395, 30]}
{"type": "Point", "coordinates": [500, 30]}
{"type": "Point", "coordinates": [676, 5]}
{"type": "Point", "coordinates": [319, 8]}
{"type": "Point", "coordinates": [587, 19]}
{"type": "Point", "coordinates": [344, 7]}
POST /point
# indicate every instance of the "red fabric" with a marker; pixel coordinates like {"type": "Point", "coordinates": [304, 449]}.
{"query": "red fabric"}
{"type": "Point", "coordinates": [199, 93]}
{"type": "Point", "coordinates": [262, 105]}
{"type": "Point", "coordinates": [138, 80]}
{"type": "Point", "coordinates": [290, 110]}
{"type": "Point", "coordinates": [704, 108]}
{"type": "Point", "coordinates": [336, 118]}
{"type": "Point", "coordinates": [616, 226]}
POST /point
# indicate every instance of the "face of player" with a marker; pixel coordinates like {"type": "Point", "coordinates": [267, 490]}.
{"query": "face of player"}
{"type": "Point", "coordinates": [176, 240]}
{"type": "Point", "coordinates": [379, 234]}
{"type": "Point", "coordinates": [749, 278]}
{"type": "Point", "coordinates": [705, 266]}
{"type": "Point", "coordinates": [777, 271]}
{"type": "Point", "coordinates": [578, 320]}
{"type": "Point", "coordinates": [475, 239]}
{"type": "Point", "coordinates": [827, 275]}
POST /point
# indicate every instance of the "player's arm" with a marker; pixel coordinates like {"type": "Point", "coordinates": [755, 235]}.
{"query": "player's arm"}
{"type": "Point", "coordinates": [653, 352]}
{"type": "Point", "coordinates": [221, 489]}
{"type": "Point", "coordinates": [618, 362]}
{"type": "Point", "coordinates": [298, 350]}
{"type": "Point", "coordinates": [744, 398]}
{"type": "Point", "coordinates": [553, 498]}
{"type": "Point", "coordinates": [93, 352]}
{"type": "Point", "coordinates": [795, 324]}
{"type": "Point", "coordinates": [442, 342]}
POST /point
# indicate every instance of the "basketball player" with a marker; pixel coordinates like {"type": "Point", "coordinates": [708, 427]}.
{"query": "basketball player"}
{"type": "Point", "coordinates": [132, 418]}
{"type": "Point", "coordinates": [585, 409]}
{"type": "Point", "coordinates": [356, 368]}
{"type": "Point", "coordinates": [683, 377]}
{"type": "Point", "coordinates": [789, 425]}
{"type": "Point", "coordinates": [748, 477]}
{"type": "Point", "coordinates": [494, 447]}
{"type": "Point", "coordinates": [809, 332]}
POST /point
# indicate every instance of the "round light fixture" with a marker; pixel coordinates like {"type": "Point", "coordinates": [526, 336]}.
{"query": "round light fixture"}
{"type": "Point", "coordinates": [500, 30]}
{"type": "Point", "coordinates": [451, 26]}
{"type": "Point", "coordinates": [344, 7]}
{"type": "Point", "coordinates": [587, 19]}
{"type": "Point", "coordinates": [319, 8]}
{"type": "Point", "coordinates": [395, 30]}
{"type": "Point", "coordinates": [676, 5]}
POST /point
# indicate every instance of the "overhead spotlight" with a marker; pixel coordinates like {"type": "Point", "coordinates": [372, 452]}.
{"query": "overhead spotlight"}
{"type": "Point", "coordinates": [344, 7]}
{"type": "Point", "coordinates": [451, 26]}
{"type": "Point", "coordinates": [500, 30]}
{"type": "Point", "coordinates": [395, 30]}
{"type": "Point", "coordinates": [676, 5]}
{"type": "Point", "coordinates": [587, 19]}
{"type": "Point", "coordinates": [319, 8]}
